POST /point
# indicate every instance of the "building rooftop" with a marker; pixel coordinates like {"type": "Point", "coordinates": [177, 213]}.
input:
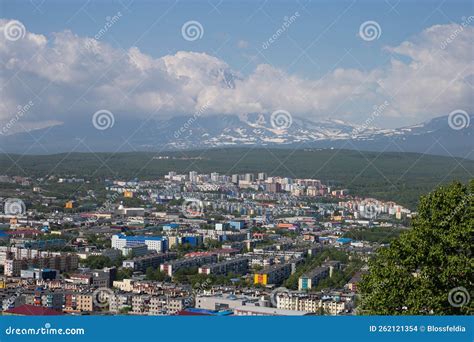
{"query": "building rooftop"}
{"type": "Point", "coordinates": [203, 312]}
{"type": "Point", "coordinates": [315, 271]}
{"type": "Point", "coordinates": [140, 237]}
{"type": "Point", "coordinates": [32, 310]}
{"type": "Point", "coordinates": [263, 310]}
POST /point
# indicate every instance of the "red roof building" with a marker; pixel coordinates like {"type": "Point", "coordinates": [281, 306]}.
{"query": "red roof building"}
{"type": "Point", "coordinates": [197, 254]}
{"type": "Point", "coordinates": [32, 310]}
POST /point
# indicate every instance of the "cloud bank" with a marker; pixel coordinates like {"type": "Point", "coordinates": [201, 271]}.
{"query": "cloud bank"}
{"type": "Point", "coordinates": [71, 77]}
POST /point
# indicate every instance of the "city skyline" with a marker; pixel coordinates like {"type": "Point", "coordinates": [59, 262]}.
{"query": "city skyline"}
{"type": "Point", "coordinates": [293, 166]}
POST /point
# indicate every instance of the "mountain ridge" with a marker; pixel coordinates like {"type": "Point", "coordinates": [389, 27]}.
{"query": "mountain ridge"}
{"type": "Point", "coordinates": [435, 136]}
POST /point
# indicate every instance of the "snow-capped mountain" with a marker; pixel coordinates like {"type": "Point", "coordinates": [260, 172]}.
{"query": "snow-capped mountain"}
{"type": "Point", "coordinates": [280, 130]}
{"type": "Point", "coordinates": [260, 129]}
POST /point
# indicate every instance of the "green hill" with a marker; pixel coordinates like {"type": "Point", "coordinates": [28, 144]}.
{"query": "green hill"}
{"type": "Point", "coordinates": [401, 177]}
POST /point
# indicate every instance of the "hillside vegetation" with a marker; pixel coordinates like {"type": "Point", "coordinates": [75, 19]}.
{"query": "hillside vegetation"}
{"type": "Point", "coordinates": [401, 177]}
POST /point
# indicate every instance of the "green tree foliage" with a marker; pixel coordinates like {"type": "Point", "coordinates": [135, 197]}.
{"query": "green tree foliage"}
{"type": "Point", "coordinates": [132, 202]}
{"type": "Point", "coordinates": [378, 234]}
{"type": "Point", "coordinates": [315, 261]}
{"type": "Point", "coordinates": [98, 262]}
{"type": "Point", "coordinates": [191, 276]}
{"type": "Point", "coordinates": [98, 241]}
{"type": "Point", "coordinates": [156, 274]}
{"type": "Point", "coordinates": [183, 248]}
{"type": "Point", "coordinates": [124, 273]}
{"type": "Point", "coordinates": [420, 173]}
{"type": "Point", "coordinates": [430, 267]}
{"type": "Point", "coordinates": [212, 243]}
{"type": "Point", "coordinates": [339, 277]}
{"type": "Point", "coordinates": [182, 275]}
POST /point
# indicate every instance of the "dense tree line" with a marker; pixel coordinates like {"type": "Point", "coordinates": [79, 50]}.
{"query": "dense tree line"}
{"type": "Point", "coordinates": [428, 269]}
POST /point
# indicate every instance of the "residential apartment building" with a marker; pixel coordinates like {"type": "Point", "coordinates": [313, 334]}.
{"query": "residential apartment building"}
{"type": "Point", "coordinates": [222, 302]}
{"type": "Point", "coordinates": [64, 262]}
{"type": "Point", "coordinates": [140, 304]}
{"type": "Point", "coordinates": [170, 267]}
{"type": "Point", "coordinates": [312, 278]}
{"type": "Point", "coordinates": [85, 302]}
{"type": "Point", "coordinates": [141, 263]}
{"type": "Point", "coordinates": [252, 310]}
{"type": "Point", "coordinates": [275, 274]}
{"type": "Point", "coordinates": [237, 266]}
{"type": "Point", "coordinates": [154, 243]}
{"type": "Point", "coordinates": [119, 302]}
{"type": "Point", "coordinates": [315, 303]}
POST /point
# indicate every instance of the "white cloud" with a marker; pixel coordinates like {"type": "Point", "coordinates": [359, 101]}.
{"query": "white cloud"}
{"type": "Point", "coordinates": [69, 76]}
{"type": "Point", "coordinates": [433, 82]}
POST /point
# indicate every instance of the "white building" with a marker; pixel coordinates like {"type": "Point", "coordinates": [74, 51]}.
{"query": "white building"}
{"type": "Point", "coordinates": [153, 243]}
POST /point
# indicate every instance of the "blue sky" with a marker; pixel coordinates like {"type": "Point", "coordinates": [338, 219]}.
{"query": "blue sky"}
{"type": "Point", "coordinates": [332, 24]}
{"type": "Point", "coordinates": [319, 67]}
